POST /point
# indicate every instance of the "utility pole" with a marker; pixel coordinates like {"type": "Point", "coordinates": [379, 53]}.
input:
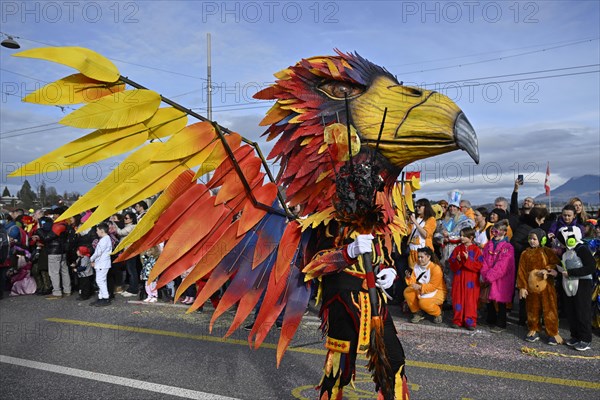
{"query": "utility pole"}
{"type": "Point", "coordinates": [209, 80]}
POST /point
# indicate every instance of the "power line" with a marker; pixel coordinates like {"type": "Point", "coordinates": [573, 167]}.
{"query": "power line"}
{"type": "Point", "coordinates": [515, 74]}
{"type": "Point", "coordinates": [160, 69]}
{"type": "Point", "coordinates": [28, 128]}
{"type": "Point", "coordinates": [533, 79]}
{"type": "Point", "coordinates": [497, 58]}
{"type": "Point", "coordinates": [249, 103]}
{"type": "Point", "coordinates": [494, 52]}
{"type": "Point", "coordinates": [237, 109]}
{"type": "Point", "coordinates": [30, 133]}
{"type": "Point", "coordinates": [126, 62]}
{"type": "Point", "coordinates": [23, 75]}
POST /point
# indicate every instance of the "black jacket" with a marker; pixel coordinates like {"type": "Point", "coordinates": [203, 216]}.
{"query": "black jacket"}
{"type": "Point", "coordinates": [54, 243]}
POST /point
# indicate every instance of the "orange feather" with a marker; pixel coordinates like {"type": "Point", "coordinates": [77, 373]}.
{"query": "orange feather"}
{"type": "Point", "coordinates": [270, 309]}
{"type": "Point", "coordinates": [241, 154]}
{"type": "Point", "coordinates": [233, 185]}
{"type": "Point", "coordinates": [169, 221]}
{"type": "Point", "coordinates": [188, 235]}
{"type": "Point", "coordinates": [251, 214]}
{"type": "Point", "coordinates": [288, 245]}
{"type": "Point", "coordinates": [245, 307]}
{"type": "Point", "coordinates": [207, 257]}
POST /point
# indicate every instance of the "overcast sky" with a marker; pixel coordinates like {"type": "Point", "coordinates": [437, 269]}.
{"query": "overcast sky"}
{"type": "Point", "coordinates": [533, 94]}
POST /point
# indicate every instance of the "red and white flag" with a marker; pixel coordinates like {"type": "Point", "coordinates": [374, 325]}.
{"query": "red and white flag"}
{"type": "Point", "coordinates": [547, 181]}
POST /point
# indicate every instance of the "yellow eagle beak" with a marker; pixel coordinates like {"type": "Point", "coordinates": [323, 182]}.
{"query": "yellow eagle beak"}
{"type": "Point", "coordinates": [419, 123]}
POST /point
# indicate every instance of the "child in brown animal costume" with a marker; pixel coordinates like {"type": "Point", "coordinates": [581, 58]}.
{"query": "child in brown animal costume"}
{"type": "Point", "coordinates": [535, 280]}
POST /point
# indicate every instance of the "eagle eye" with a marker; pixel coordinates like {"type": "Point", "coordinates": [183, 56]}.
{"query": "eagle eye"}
{"type": "Point", "coordinates": [339, 90]}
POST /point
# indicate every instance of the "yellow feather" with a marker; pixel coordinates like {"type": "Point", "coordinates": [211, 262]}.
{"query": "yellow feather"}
{"type": "Point", "coordinates": [323, 175]}
{"type": "Point", "coordinates": [86, 61]}
{"type": "Point", "coordinates": [159, 174]}
{"type": "Point", "coordinates": [125, 172]}
{"type": "Point", "coordinates": [296, 119]}
{"type": "Point", "coordinates": [96, 146]}
{"type": "Point", "coordinates": [288, 101]}
{"type": "Point", "coordinates": [218, 154]}
{"type": "Point", "coordinates": [115, 111]}
{"type": "Point", "coordinates": [155, 210]}
{"type": "Point", "coordinates": [120, 142]}
{"type": "Point", "coordinates": [162, 173]}
{"type": "Point", "coordinates": [335, 73]}
{"type": "Point", "coordinates": [166, 122]}
{"type": "Point", "coordinates": [73, 89]}
{"type": "Point", "coordinates": [190, 140]}
{"type": "Point", "coordinates": [284, 74]}
{"type": "Point", "coordinates": [317, 218]}
{"type": "Point", "coordinates": [127, 194]}
{"type": "Point", "coordinates": [408, 197]}
{"type": "Point", "coordinates": [397, 239]}
{"type": "Point", "coordinates": [306, 140]}
{"type": "Point", "coordinates": [397, 195]}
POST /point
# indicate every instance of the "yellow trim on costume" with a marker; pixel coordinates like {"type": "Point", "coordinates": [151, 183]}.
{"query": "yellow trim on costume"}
{"type": "Point", "coordinates": [328, 367]}
{"type": "Point", "coordinates": [319, 296]}
{"type": "Point", "coordinates": [337, 392]}
{"type": "Point", "coordinates": [399, 392]}
{"type": "Point", "coordinates": [364, 330]}
{"type": "Point", "coordinates": [331, 369]}
{"type": "Point", "coordinates": [337, 345]}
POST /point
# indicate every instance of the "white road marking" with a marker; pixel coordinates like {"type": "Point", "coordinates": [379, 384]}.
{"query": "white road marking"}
{"type": "Point", "coordinates": [114, 380]}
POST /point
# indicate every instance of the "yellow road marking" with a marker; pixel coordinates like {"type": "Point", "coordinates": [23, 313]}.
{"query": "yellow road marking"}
{"type": "Point", "coordinates": [505, 374]}
{"type": "Point", "coordinates": [411, 363]}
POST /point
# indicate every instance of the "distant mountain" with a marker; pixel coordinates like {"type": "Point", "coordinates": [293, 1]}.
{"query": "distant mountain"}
{"type": "Point", "coordinates": [586, 187]}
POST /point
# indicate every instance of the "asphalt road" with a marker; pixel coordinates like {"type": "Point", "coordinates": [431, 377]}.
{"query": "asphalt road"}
{"type": "Point", "coordinates": [64, 349]}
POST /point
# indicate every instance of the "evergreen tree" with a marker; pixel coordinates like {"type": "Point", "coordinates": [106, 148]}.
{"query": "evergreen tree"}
{"type": "Point", "coordinates": [26, 195]}
{"type": "Point", "coordinates": [52, 197]}
{"type": "Point", "coordinates": [43, 195]}
{"type": "Point", "coordinates": [5, 193]}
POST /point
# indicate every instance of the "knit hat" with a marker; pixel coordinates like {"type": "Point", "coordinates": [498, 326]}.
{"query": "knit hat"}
{"type": "Point", "coordinates": [540, 234]}
{"type": "Point", "coordinates": [454, 198]}
{"type": "Point", "coordinates": [84, 250]}
{"type": "Point", "coordinates": [500, 213]}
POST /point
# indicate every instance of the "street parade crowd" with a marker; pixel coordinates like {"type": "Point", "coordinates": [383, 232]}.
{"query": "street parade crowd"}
{"type": "Point", "coordinates": [477, 264]}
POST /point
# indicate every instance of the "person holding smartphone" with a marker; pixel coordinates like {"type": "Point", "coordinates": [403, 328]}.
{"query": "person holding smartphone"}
{"type": "Point", "coordinates": [528, 202]}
